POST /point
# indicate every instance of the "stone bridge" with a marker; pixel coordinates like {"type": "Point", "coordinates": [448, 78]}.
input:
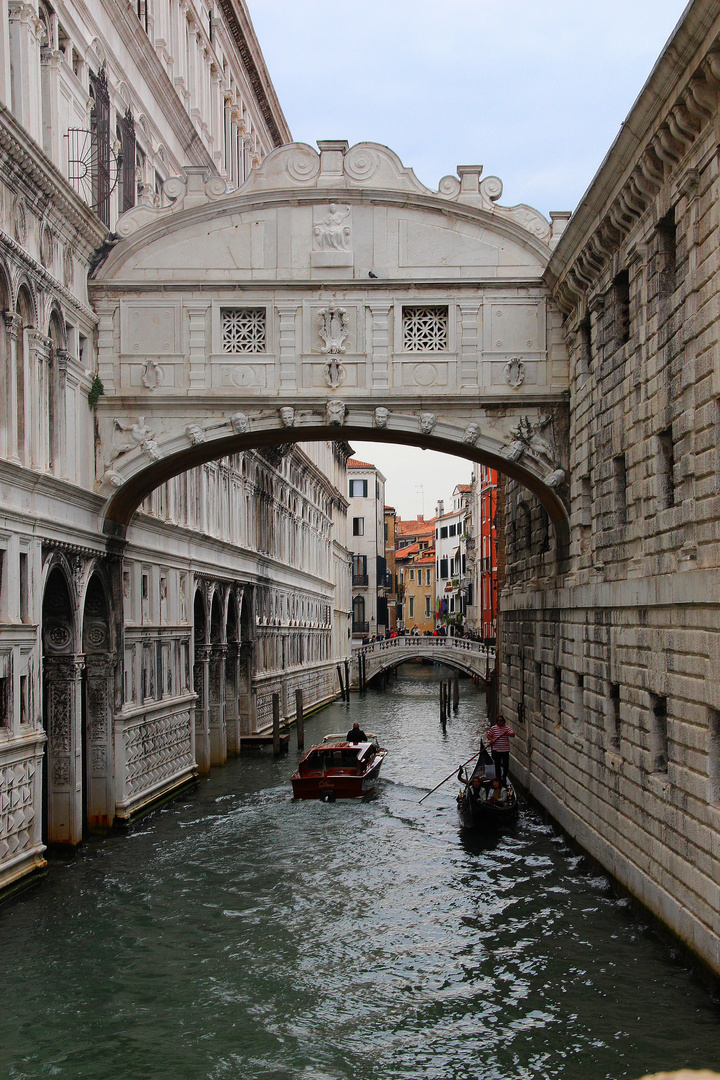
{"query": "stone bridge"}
{"type": "Point", "coordinates": [333, 295]}
{"type": "Point", "coordinates": [472, 657]}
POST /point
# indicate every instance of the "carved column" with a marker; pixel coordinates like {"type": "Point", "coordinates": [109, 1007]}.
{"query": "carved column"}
{"type": "Point", "coordinates": [38, 400]}
{"type": "Point", "coordinates": [232, 712]}
{"type": "Point", "coordinates": [8, 416]}
{"type": "Point", "coordinates": [380, 345]}
{"type": "Point", "coordinates": [201, 684]}
{"type": "Point", "coordinates": [99, 690]}
{"type": "Point", "coordinates": [197, 346]}
{"type": "Point", "coordinates": [63, 696]}
{"type": "Point", "coordinates": [218, 735]}
{"type": "Point", "coordinates": [469, 337]}
{"type": "Point", "coordinates": [25, 31]}
{"type": "Point", "coordinates": [287, 374]}
{"type": "Point", "coordinates": [50, 62]}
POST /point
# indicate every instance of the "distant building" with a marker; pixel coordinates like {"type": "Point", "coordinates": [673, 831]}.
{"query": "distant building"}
{"type": "Point", "coordinates": [451, 559]}
{"type": "Point", "coordinates": [482, 563]}
{"type": "Point", "coordinates": [390, 571]}
{"type": "Point", "coordinates": [416, 572]}
{"type": "Point", "coordinates": [417, 531]}
{"type": "Point", "coordinates": [366, 540]}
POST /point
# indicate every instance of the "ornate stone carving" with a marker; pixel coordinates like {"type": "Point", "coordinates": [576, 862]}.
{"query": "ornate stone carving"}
{"type": "Point", "coordinates": [470, 435]}
{"type": "Point", "coordinates": [335, 374]}
{"type": "Point", "coordinates": [361, 163]}
{"type": "Point", "coordinates": [287, 416]}
{"type": "Point", "coordinates": [427, 422]}
{"type": "Point", "coordinates": [240, 423]}
{"type": "Point", "coordinates": [333, 328]}
{"type": "Point", "coordinates": [514, 372]}
{"type": "Point", "coordinates": [331, 233]}
{"type": "Point", "coordinates": [380, 417]}
{"type": "Point", "coordinates": [20, 221]}
{"type": "Point", "coordinates": [47, 246]}
{"type": "Point", "coordinates": [195, 434]}
{"type": "Point", "coordinates": [555, 478]}
{"type": "Point", "coordinates": [335, 413]}
{"type": "Point", "coordinates": [68, 268]}
{"type": "Point", "coordinates": [449, 186]}
{"type": "Point", "coordinates": [128, 436]}
{"type": "Point", "coordinates": [528, 437]}
{"type": "Point", "coordinates": [152, 374]}
{"type": "Point", "coordinates": [303, 163]}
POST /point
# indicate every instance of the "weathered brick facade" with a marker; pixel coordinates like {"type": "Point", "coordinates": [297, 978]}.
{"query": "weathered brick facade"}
{"type": "Point", "coordinates": [612, 655]}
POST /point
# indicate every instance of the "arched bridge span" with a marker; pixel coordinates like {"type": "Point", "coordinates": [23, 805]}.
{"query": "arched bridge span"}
{"type": "Point", "coordinates": [472, 657]}
{"type": "Point", "coordinates": [332, 296]}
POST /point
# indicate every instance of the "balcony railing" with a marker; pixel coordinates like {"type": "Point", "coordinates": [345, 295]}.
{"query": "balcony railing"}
{"type": "Point", "coordinates": [359, 579]}
{"type": "Point", "coordinates": [360, 627]}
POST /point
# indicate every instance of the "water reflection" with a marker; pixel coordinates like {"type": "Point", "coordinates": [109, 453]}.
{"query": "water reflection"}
{"type": "Point", "coordinates": [237, 933]}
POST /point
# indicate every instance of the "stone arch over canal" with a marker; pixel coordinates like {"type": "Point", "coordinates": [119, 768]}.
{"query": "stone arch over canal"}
{"type": "Point", "coordinates": [333, 295]}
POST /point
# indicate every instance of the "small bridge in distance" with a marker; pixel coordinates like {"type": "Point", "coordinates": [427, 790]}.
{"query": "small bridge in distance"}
{"type": "Point", "coordinates": [472, 657]}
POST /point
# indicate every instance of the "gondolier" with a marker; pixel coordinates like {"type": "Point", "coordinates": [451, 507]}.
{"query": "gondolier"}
{"type": "Point", "coordinates": [499, 738]}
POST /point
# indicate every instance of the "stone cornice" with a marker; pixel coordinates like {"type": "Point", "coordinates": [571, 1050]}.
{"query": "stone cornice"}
{"type": "Point", "coordinates": [248, 47]}
{"type": "Point", "coordinates": [37, 169]}
{"type": "Point", "coordinates": [669, 116]}
{"type": "Point", "coordinates": [39, 273]}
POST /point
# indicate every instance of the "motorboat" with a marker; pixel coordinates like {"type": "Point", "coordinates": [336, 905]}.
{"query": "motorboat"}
{"type": "Point", "coordinates": [337, 768]}
{"type": "Point", "coordinates": [476, 806]}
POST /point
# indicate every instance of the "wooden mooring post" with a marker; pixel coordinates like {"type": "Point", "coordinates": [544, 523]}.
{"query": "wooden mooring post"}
{"type": "Point", "coordinates": [442, 702]}
{"type": "Point", "coordinates": [299, 719]}
{"type": "Point", "coordinates": [340, 679]}
{"type": "Point", "coordinates": [456, 692]}
{"type": "Point", "coordinates": [347, 680]}
{"type": "Point", "coordinates": [276, 724]}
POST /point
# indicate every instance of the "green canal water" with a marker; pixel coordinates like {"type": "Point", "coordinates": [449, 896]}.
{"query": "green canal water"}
{"type": "Point", "coordinates": [237, 934]}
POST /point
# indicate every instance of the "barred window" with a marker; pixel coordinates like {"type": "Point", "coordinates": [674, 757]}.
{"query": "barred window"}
{"type": "Point", "coordinates": [243, 330]}
{"type": "Point", "coordinates": [425, 329]}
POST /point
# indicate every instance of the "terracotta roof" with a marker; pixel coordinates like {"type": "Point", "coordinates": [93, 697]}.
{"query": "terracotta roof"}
{"type": "Point", "coordinates": [406, 552]}
{"type": "Point", "coordinates": [414, 527]}
{"type": "Point", "coordinates": [353, 463]}
{"type": "Point", "coordinates": [463, 487]}
{"type": "Point", "coordinates": [427, 557]}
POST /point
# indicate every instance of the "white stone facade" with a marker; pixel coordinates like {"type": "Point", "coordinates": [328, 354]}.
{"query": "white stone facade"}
{"type": "Point", "coordinates": [366, 540]}
{"type": "Point", "coordinates": [127, 665]}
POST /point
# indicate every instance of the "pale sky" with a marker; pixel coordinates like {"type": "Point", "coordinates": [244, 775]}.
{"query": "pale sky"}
{"type": "Point", "coordinates": [533, 90]}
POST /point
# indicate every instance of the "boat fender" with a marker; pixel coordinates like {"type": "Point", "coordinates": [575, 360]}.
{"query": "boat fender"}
{"type": "Point", "coordinates": [329, 796]}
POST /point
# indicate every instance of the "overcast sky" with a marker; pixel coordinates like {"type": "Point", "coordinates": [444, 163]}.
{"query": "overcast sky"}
{"type": "Point", "coordinates": [533, 90]}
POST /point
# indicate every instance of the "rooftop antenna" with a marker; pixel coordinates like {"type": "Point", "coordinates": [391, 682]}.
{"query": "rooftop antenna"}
{"type": "Point", "coordinates": [421, 489]}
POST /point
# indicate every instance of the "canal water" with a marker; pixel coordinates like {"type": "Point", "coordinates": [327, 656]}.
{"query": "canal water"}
{"type": "Point", "coordinates": [237, 934]}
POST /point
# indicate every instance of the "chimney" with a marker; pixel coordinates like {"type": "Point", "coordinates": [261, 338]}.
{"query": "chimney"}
{"type": "Point", "coordinates": [421, 517]}
{"type": "Point", "coordinates": [440, 508]}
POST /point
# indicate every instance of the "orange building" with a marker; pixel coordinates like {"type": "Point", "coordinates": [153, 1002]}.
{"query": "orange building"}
{"type": "Point", "coordinates": [416, 579]}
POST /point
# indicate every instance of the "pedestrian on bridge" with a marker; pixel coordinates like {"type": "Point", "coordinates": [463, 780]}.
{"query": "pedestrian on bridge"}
{"type": "Point", "coordinates": [499, 738]}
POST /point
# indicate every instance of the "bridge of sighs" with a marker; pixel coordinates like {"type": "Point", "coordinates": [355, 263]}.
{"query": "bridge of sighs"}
{"type": "Point", "coordinates": [333, 295]}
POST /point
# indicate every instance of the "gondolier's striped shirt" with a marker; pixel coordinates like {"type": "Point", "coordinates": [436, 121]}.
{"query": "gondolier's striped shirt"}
{"type": "Point", "coordinates": [498, 738]}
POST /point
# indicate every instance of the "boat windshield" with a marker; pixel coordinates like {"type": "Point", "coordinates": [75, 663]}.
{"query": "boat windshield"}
{"type": "Point", "coordinates": [333, 759]}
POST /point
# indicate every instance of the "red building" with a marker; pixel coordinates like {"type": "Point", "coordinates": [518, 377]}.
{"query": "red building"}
{"type": "Point", "coordinates": [486, 487]}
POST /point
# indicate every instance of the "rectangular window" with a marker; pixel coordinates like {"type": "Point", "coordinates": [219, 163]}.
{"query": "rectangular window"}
{"type": "Point", "coordinates": [412, 575]}
{"type": "Point", "coordinates": [5, 718]}
{"type": "Point", "coordinates": [24, 588]}
{"type": "Point", "coordinates": [24, 699]}
{"type": "Point", "coordinates": [427, 607]}
{"type": "Point", "coordinates": [620, 489]}
{"type": "Point", "coordinates": [444, 532]}
{"type": "Point", "coordinates": [666, 469]}
{"type": "Point", "coordinates": [243, 330]}
{"type": "Point", "coordinates": [586, 345]}
{"type": "Point", "coordinates": [425, 329]}
{"type": "Point", "coordinates": [411, 607]}
{"type": "Point", "coordinates": [658, 734]}
{"type": "Point", "coordinates": [358, 489]}
{"type": "Point", "coordinates": [444, 568]}
{"type": "Point", "coordinates": [428, 577]}
{"type": "Point", "coordinates": [614, 710]}
{"type": "Point", "coordinates": [359, 526]}
{"type": "Point", "coordinates": [667, 251]}
{"type": "Point", "coordinates": [452, 530]}
{"type": "Point", "coordinates": [359, 570]}
{"type": "Point", "coordinates": [386, 532]}
{"type": "Point", "coordinates": [621, 290]}
{"type": "Point", "coordinates": [714, 756]}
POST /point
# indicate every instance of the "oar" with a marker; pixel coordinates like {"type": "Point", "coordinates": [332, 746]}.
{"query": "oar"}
{"type": "Point", "coordinates": [453, 773]}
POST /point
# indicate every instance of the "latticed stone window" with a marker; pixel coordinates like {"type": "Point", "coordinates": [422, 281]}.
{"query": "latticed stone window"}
{"type": "Point", "coordinates": [243, 330]}
{"type": "Point", "coordinates": [425, 329]}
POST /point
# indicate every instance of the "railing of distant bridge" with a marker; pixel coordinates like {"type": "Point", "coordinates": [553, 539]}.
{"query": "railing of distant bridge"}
{"type": "Point", "coordinates": [439, 644]}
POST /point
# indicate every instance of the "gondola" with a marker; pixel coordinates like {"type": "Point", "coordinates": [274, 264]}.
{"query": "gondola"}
{"type": "Point", "coordinates": [476, 810]}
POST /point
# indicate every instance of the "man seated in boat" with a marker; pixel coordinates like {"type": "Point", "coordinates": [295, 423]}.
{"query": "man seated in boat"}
{"type": "Point", "coordinates": [356, 734]}
{"type": "Point", "coordinates": [475, 789]}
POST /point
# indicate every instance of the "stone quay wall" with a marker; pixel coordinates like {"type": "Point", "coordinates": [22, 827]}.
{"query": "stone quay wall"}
{"type": "Point", "coordinates": [612, 647]}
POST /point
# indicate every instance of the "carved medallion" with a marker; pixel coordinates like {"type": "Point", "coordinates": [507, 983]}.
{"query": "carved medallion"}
{"type": "Point", "coordinates": [152, 374]}
{"type": "Point", "coordinates": [514, 372]}
{"type": "Point", "coordinates": [333, 329]}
